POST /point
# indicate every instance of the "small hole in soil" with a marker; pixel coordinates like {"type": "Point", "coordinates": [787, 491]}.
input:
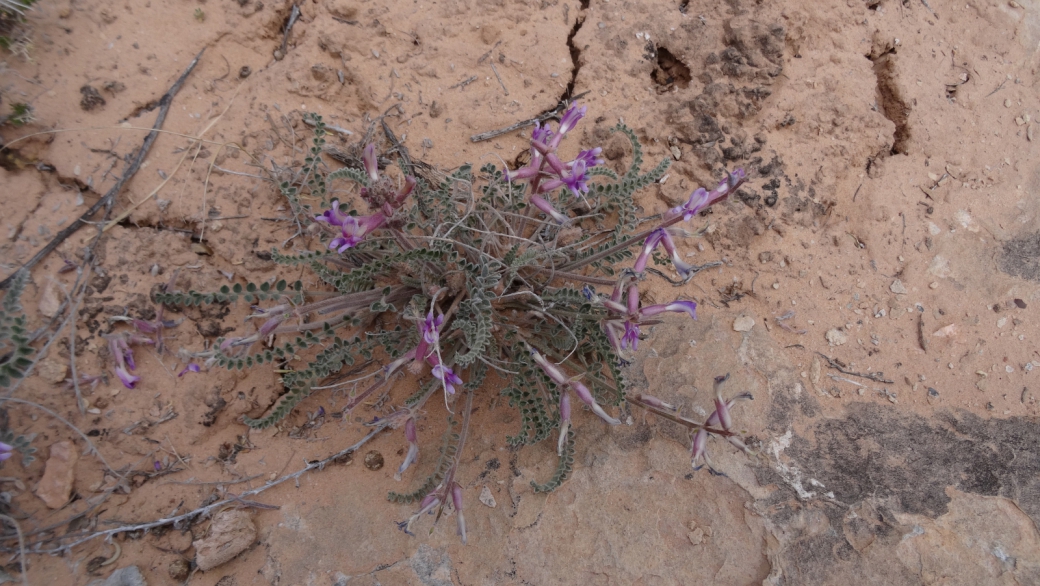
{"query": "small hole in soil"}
{"type": "Point", "coordinates": [670, 71]}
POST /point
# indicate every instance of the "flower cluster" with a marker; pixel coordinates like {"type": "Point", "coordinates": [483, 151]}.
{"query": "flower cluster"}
{"type": "Point", "coordinates": [566, 385]}
{"type": "Point", "coordinates": [428, 349]}
{"type": "Point", "coordinates": [382, 196]}
{"type": "Point", "coordinates": [546, 172]}
{"type": "Point", "coordinates": [720, 417]}
{"type": "Point", "coordinates": [719, 423]}
{"type": "Point", "coordinates": [438, 498]}
{"type": "Point", "coordinates": [119, 347]}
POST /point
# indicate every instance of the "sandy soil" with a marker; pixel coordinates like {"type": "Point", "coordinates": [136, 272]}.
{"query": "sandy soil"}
{"type": "Point", "coordinates": [894, 158]}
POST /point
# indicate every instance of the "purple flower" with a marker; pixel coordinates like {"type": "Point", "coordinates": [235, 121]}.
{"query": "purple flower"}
{"type": "Point", "coordinates": [633, 299]}
{"type": "Point", "coordinates": [699, 449]}
{"type": "Point", "coordinates": [655, 402]}
{"type": "Point", "coordinates": [430, 335]}
{"type": "Point", "coordinates": [543, 205]}
{"type": "Point", "coordinates": [430, 328]}
{"type": "Point", "coordinates": [631, 337]}
{"type": "Point", "coordinates": [550, 369]}
{"type": "Point", "coordinates": [354, 230]}
{"type": "Point", "coordinates": [270, 326]}
{"type": "Point", "coordinates": [589, 157]}
{"type": "Point", "coordinates": [409, 186]}
{"type": "Point", "coordinates": [568, 121]}
{"type": "Point", "coordinates": [128, 379]}
{"type": "Point", "coordinates": [370, 162]}
{"type": "Point", "coordinates": [6, 451]}
{"type": "Point", "coordinates": [541, 134]}
{"type": "Point", "coordinates": [333, 217]}
{"type": "Point", "coordinates": [528, 172]}
{"type": "Point", "coordinates": [575, 181]}
{"type": "Point", "coordinates": [124, 357]}
{"type": "Point", "coordinates": [702, 198]}
{"type": "Point", "coordinates": [684, 269]}
{"type": "Point", "coordinates": [456, 500]}
{"type": "Point", "coordinates": [192, 367]}
{"type": "Point", "coordinates": [448, 378]}
{"type": "Point", "coordinates": [586, 397]}
{"type": "Point", "coordinates": [229, 343]}
{"type": "Point", "coordinates": [648, 247]}
{"type": "Point", "coordinates": [413, 447]}
{"type": "Point", "coordinates": [145, 326]}
{"type": "Point", "coordinates": [699, 200]}
{"type": "Point", "coordinates": [689, 307]}
{"type": "Point", "coordinates": [611, 328]}
{"type": "Point", "coordinates": [539, 144]}
{"type": "Point", "coordinates": [722, 410]}
{"type": "Point", "coordinates": [565, 419]}
{"type": "Point", "coordinates": [557, 376]}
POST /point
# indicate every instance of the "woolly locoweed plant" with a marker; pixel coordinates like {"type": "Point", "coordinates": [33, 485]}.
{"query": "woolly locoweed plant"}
{"type": "Point", "coordinates": [527, 274]}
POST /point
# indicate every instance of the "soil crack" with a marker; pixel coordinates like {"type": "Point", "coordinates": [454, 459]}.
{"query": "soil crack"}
{"type": "Point", "coordinates": [890, 100]}
{"type": "Point", "coordinates": [575, 51]}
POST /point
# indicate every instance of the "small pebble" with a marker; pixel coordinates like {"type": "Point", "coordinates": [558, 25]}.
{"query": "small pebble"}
{"type": "Point", "coordinates": [836, 337]}
{"type": "Point", "coordinates": [179, 569]}
{"type": "Point", "coordinates": [487, 498]}
{"type": "Point", "coordinates": [933, 285]}
{"type": "Point", "coordinates": [1007, 103]}
{"type": "Point", "coordinates": [898, 287]}
{"type": "Point", "coordinates": [743, 323]}
{"type": "Point", "coordinates": [373, 460]}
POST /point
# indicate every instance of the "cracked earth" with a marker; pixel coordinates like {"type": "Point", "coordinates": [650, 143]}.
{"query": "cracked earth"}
{"type": "Point", "coordinates": [892, 206]}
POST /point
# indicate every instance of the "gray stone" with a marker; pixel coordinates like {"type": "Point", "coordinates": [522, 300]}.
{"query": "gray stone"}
{"type": "Point", "coordinates": [128, 576]}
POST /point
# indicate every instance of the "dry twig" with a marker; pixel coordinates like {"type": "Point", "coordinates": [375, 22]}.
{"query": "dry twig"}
{"type": "Point", "coordinates": [109, 197]}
